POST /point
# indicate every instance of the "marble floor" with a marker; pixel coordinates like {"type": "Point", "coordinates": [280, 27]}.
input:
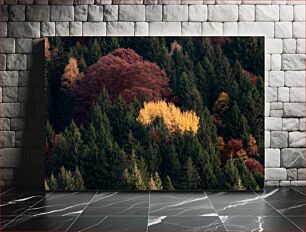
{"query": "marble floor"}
{"type": "Point", "coordinates": [274, 210]}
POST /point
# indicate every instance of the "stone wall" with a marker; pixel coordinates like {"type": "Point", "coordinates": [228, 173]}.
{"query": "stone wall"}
{"type": "Point", "coordinates": [25, 22]}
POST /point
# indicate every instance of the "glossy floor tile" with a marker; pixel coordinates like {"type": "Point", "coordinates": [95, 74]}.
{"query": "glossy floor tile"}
{"type": "Point", "coordinates": [273, 210]}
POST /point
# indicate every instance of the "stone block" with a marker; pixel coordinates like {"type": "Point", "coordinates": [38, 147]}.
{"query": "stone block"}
{"type": "Point", "coordinates": [94, 29]}
{"type": "Point", "coordinates": [191, 29]}
{"type": "Point", "coordinates": [289, 46]}
{"type": "Point", "coordinates": [267, 13]}
{"type": "Point", "coordinates": [47, 29]}
{"type": "Point", "coordinates": [293, 61]}
{"type": "Point", "coordinates": [298, 30]}
{"type": "Point", "coordinates": [120, 29]}
{"type": "Point", "coordinates": [256, 28]}
{"type": "Point", "coordinates": [16, 62]}
{"type": "Point", "coordinates": [154, 13]}
{"type": "Point", "coordinates": [290, 124]}
{"type": "Point", "coordinates": [62, 28]}
{"type": "Point", "coordinates": [141, 29]}
{"type": "Point", "coordinates": [212, 28]}
{"type": "Point", "coordinates": [16, 13]}
{"type": "Point", "coordinates": [296, 139]}
{"type": "Point", "coordinates": [131, 13]}
{"type": "Point", "coordinates": [222, 13]}
{"type": "Point", "coordinates": [299, 13]}
{"type": "Point", "coordinates": [279, 139]}
{"type": "Point", "coordinates": [294, 109]}
{"type": "Point", "coordinates": [24, 29]}
{"type": "Point", "coordinates": [297, 94]}
{"type": "Point", "coordinates": [301, 174]}
{"type": "Point", "coordinates": [81, 13]}
{"type": "Point", "coordinates": [292, 174]}
{"type": "Point", "coordinates": [283, 30]}
{"type": "Point", "coordinates": [283, 94]}
{"type": "Point", "coordinates": [286, 13]}
{"type": "Point", "coordinates": [270, 94]}
{"type": "Point", "coordinates": [165, 29]}
{"type": "Point", "coordinates": [75, 29]}
{"type": "Point", "coordinates": [95, 13]}
{"type": "Point", "coordinates": [276, 62]}
{"type": "Point", "coordinates": [275, 174]}
{"type": "Point", "coordinates": [272, 158]}
{"type": "Point", "coordinates": [246, 13]}
{"type": "Point", "coordinates": [24, 45]}
{"type": "Point", "coordinates": [230, 28]}
{"type": "Point", "coordinates": [7, 45]}
{"type": "Point", "coordinates": [277, 78]}
{"type": "Point", "coordinates": [273, 123]}
{"type": "Point", "coordinates": [110, 12]}
{"type": "Point", "coordinates": [295, 78]}
{"type": "Point", "coordinates": [293, 157]}
{"type": "Point", "coordinates": [175, 13]}
{"type": "Point", "coordinates": [9, 94]}
{"type": "Point", "coordinates": [62, 13]}
{"type": "Point", "coordinates": [9, 78]}
{"type": "Point", "coordinates": [197, 13]}
{"type": "Point", "coordinates": [11, 110]}
{"type": "Point", "coordinates": [274, 46]}
{"type": "Point", "coordinates": [38, 13]}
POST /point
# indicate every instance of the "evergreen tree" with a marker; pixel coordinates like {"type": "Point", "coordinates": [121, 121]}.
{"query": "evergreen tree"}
{"type": "Point", "coordinates": [167, 184]}
{"type": "Point", "coordinates": [70, 181]}
{"type": "Point", "coordinates": [190, 178]}
{"type": "Point", "coordinates": [231, 175]}
{"type": "Point", "coordinates": [236, 125]}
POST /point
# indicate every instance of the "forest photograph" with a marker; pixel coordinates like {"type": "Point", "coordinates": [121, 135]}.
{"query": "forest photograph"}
{"type": "Point", "coordinates": [154, 113]}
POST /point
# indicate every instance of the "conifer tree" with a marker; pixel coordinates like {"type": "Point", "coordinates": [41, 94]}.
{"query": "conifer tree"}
{"type": "Point", "coordinates": [167, 184]}
{"type": "Point", "coordinates": [190, 178]}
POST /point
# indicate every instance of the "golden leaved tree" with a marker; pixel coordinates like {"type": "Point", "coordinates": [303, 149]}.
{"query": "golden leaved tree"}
{"type": "Point", "coordinates": [173, 118]}
{"type": "Point", "coordinates": [71, 73]}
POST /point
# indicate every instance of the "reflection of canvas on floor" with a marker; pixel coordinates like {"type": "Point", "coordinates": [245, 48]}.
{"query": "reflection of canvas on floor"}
{"type": "Point", "coordinates": [154, 113]}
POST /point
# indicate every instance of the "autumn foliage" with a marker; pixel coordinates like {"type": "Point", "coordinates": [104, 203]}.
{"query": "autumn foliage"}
{"type": "Point", "coordinates": [121, 72]}
{"type": "Point", "coordinates": [234, 149]}
{"type": "Point", "coordinates": [71, 73]}
{"type": "Point", "coordinates": [174, 119]}
{"type": "Point", "coordinates": [254, 165]}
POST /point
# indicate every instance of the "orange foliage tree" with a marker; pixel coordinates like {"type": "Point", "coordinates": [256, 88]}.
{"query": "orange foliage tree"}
{"type": "Point", "coordinates": [173, 118]}
{"type": "Point", "coordinates": [71, 73]}
{"type": "Point", "coordinates": [252, 145]}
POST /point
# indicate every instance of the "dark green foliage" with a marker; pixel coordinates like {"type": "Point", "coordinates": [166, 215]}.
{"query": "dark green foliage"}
{"type": "Point", "coordinates": [168, 184]}
{"type": "Point", "coordinates": [66, 180]}
{"type": "Point", "coordinates": [111, 150]}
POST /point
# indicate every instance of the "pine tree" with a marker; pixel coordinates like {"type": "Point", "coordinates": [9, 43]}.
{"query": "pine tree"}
{"type": "Point", "coordinates": [68, 150]}
{"type": "Point", "coordinates": [70, 181]}
{"type": "Point", "coordinates": [236, 125]}
{"type": "Point", "coordinates": [191, 178]}
{"type": "Point", "coordinates": [231, 175]}
{"type": "Point", "coordinates": [167, 184]}
{"type": "Point", "coordinates": [189, 96]}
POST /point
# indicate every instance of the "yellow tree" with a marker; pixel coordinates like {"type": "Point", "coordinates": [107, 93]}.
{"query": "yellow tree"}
{"type": "Point", "coordinates": [173, 118]}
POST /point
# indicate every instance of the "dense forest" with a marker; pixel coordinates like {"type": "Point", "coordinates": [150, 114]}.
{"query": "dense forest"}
{"type": "Point", "coordinates": [154, 113]}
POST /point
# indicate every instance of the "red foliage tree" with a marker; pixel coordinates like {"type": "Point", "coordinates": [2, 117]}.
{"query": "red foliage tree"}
{"type": "Point", "coordinates": [233, 149]}
{"type": "Point", "coordinates": [253, 165]}
{"type": "Point", "coordinates": [121, 72]}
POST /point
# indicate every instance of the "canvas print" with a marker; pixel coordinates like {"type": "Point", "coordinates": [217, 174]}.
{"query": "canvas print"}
{"type": "Point", "coordinates": [154, 113]}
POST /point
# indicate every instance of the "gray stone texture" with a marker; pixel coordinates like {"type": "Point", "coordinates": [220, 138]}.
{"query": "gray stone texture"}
{"type": "Point", "coordinates": [23, 25]}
